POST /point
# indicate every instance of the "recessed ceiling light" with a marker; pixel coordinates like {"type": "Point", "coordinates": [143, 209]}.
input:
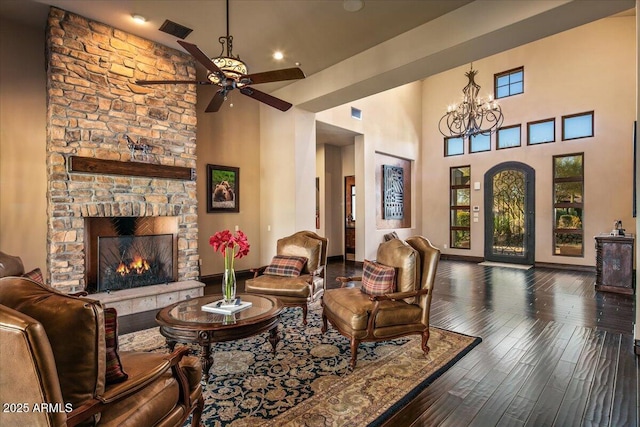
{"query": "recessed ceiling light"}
{"type": "Point", "coordinates": [352, 5]}
{"type": "Point", "coordinates": [139, 18]}
{"type": "Point", "coordinates": [277, 55]}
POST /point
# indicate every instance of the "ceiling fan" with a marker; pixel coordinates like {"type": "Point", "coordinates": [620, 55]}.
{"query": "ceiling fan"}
{"type": "Point", "coordinates": [229, 72]}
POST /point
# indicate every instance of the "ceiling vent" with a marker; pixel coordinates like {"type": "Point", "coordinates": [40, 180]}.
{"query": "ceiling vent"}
{"type": "Point", "coordinates": [175, 29]}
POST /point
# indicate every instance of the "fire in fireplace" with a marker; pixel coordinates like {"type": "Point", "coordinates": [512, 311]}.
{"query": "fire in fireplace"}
{"type": "Point", "coordinates": [131, 261]}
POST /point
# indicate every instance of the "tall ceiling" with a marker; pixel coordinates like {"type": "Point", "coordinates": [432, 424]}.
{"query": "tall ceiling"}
{"type": "Point", "coordinates": [318, 34]}
{"type": "Point", "coordinates": [314, 33]}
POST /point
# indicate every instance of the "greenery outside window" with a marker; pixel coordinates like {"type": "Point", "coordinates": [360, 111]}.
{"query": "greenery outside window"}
{"type": "Point", "coordinates": [577, 126]}
{"type": "Point", "coordinates": [509, 83]}
{"type": "Point", "coordinates": [479, 142]}
{"type": "Point", "coordinates": [460, 218]}
{"type": "Point", "coordinates": [453, 146]}
{"type": "Point", "coordinates": [508, 137]}
{"type": "Point", "coordinates": [541, 132]}
{"type": "Point", "coordinates": [568, 205]}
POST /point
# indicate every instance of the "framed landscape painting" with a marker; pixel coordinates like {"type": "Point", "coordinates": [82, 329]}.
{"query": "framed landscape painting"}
{"type": "Point", "coordinates": [223, 189]}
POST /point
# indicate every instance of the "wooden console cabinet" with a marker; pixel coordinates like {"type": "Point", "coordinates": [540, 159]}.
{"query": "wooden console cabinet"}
{"type": "Point", "coordinates": [614, 263]}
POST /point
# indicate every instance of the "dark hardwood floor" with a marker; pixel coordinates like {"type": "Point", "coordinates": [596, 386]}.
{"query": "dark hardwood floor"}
{"type": "Point", "coordinates": [554, 351]}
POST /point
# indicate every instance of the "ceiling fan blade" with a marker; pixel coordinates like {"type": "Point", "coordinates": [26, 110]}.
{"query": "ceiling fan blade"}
{"type": "Point", "coordinates": [276, 75]}
{"type": "Point", "coordinates": [167, 82]}
{"type": "Point", "coordinates": [200, 56]}
{"type": "Point", "coordinates": [266, 98]}
{"type": "Point", "coordinates": [216, 102]}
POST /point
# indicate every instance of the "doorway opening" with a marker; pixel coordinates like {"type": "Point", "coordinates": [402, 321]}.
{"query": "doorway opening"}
{"type": "Point", "coordinates": [350, 217]}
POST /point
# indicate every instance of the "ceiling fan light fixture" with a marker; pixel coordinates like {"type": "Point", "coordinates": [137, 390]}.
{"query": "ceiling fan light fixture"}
{"type": "Point", "coordinates": [232, 68]}
{"type": "Point", "coordinates": [229, 72]}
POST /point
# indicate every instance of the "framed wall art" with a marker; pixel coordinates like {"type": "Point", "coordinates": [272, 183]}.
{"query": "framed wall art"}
{"type": "Point", "coordinates": [393, 181]}
{"type": "Point", "coordinates": [223, 189]}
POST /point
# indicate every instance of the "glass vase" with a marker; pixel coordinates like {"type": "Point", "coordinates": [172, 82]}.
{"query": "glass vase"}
{"type": "Point", "coordinates": [229, 286]}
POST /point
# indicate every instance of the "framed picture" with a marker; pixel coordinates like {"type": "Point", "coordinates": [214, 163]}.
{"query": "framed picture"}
{"type": "Point", "coordinates": [223, 189]}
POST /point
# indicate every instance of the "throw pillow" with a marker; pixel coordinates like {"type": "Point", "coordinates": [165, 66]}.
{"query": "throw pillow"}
{"type": "Point", "coordinates": [115, 373]}
{"type": "Point", "coordinates": [377, 279]}
{"type": "Point", "coordinates": [35, 275]}
{"type": "Point", "coordinates": [286, 265]}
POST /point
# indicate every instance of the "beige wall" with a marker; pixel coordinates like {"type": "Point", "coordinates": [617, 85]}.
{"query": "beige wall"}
{"type": "Point", "coordinates": [23, 224]}
{"type": "Point", "coordinates": [230, 137]}
{"type": "Point", "coordinates": [589, 68]}
{"type": "Point", "coordinates": [287, 175]}
{"type": "Point", "coordinates": [390, 125]}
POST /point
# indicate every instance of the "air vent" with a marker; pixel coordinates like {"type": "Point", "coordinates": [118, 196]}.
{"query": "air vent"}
{"type": "Point", "coordinates": [175, 29]}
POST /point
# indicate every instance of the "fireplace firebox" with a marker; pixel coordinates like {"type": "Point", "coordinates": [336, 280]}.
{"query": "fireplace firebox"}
{"type": "Point", "coordinates": [129, 252]}
{"type": "Point", "coordinates": [126, 262]}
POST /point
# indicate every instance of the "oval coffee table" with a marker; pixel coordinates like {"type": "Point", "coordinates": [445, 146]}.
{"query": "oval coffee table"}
{"type": "Point", "coordinates": [185, 322]}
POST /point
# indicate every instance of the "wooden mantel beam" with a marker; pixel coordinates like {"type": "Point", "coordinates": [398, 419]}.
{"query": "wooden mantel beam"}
{"type": "Point", "coordinates": [115, 167]}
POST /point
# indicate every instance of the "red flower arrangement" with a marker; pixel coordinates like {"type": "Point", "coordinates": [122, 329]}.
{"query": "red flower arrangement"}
{"type": "Point", "coordinates": [230, 246]}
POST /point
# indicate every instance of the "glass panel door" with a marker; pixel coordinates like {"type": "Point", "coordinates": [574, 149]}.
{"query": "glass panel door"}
{"type": "Point", "coordinates": [509, 204]}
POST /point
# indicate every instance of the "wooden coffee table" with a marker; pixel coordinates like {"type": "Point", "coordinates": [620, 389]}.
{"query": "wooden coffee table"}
{"type": "Point", "coordinates": [185, 322]}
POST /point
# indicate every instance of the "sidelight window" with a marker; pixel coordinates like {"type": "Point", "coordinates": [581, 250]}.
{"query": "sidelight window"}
{"type": "Point", "coordinates": [568, 204]}
{"type": "Point", "coordinates": [460, 216]}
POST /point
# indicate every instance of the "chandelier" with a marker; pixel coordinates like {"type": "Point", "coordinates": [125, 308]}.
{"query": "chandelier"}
{"type": "Point", "coordinates": [473, 116]}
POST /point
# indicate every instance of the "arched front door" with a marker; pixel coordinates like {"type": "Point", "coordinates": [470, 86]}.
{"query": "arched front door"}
{"type": "Point", "coordinates": [509, 203]}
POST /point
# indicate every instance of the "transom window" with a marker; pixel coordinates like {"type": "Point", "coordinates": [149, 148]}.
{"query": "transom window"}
{"type": "Point", "coordinates": [460, 218]}
{"type": "Point", "coordinates": [508, 137]}
{"type": "Point", "coordinates": [509, 83]}
{"type": "Point", "coordinates": [541, 132]}
{"type": "Point", "coordinates": [479, 142]}
{"type": "Point", "coordinates": [453, 146]}
{"type": "Point", "coordinates": [568, 204]}
{"type": "Point", "coordinates": [577, 126]}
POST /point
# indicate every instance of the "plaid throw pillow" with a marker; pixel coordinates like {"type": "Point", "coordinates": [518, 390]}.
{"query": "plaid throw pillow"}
{"type": "Point", "coordinates": [115, 373]}
{"type": "Point", "coordinates": [377, 279]}
{"type": "Point", "coordinates": [285, 265]}
{"type": "Point", "coordinates": [35, 275]}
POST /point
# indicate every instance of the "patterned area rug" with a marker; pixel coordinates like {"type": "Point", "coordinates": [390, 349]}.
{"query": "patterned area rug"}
{"type": "Point", "coordinates": [307, 382]}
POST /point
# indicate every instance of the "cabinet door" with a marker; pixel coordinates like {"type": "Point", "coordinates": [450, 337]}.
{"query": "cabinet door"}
{"type": "Point", "coordinates": [617, 264]}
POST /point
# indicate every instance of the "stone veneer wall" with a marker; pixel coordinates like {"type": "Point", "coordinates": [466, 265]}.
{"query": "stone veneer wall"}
{"type": "Point", "coordinates": [92, 102]}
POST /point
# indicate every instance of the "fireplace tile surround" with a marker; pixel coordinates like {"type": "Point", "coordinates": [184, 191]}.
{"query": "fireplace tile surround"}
{"type": "Point", "coordinates": [92, 103]}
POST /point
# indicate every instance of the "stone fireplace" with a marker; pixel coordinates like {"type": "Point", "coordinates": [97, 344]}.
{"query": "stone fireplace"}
{"type": "Point", "coordinates": [94, 108]}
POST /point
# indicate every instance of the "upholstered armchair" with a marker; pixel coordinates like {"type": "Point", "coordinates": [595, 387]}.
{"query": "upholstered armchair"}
{"type": "Point", "coordinates": [380, 315]}
{"type": "Point", "coordinates": [57, 370]}
{"type": "Point", "coordinates": [293, 286]}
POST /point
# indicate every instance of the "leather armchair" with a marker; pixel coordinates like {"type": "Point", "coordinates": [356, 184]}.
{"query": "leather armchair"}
{"type": "Point", "coordinates": [10, 265]}
{"type": "Point", "coordinates": [362, 317]}
{"type": "Point", "coordinates": [54, 353]}
{"type": "Point", "coordinates": [296, 291]}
